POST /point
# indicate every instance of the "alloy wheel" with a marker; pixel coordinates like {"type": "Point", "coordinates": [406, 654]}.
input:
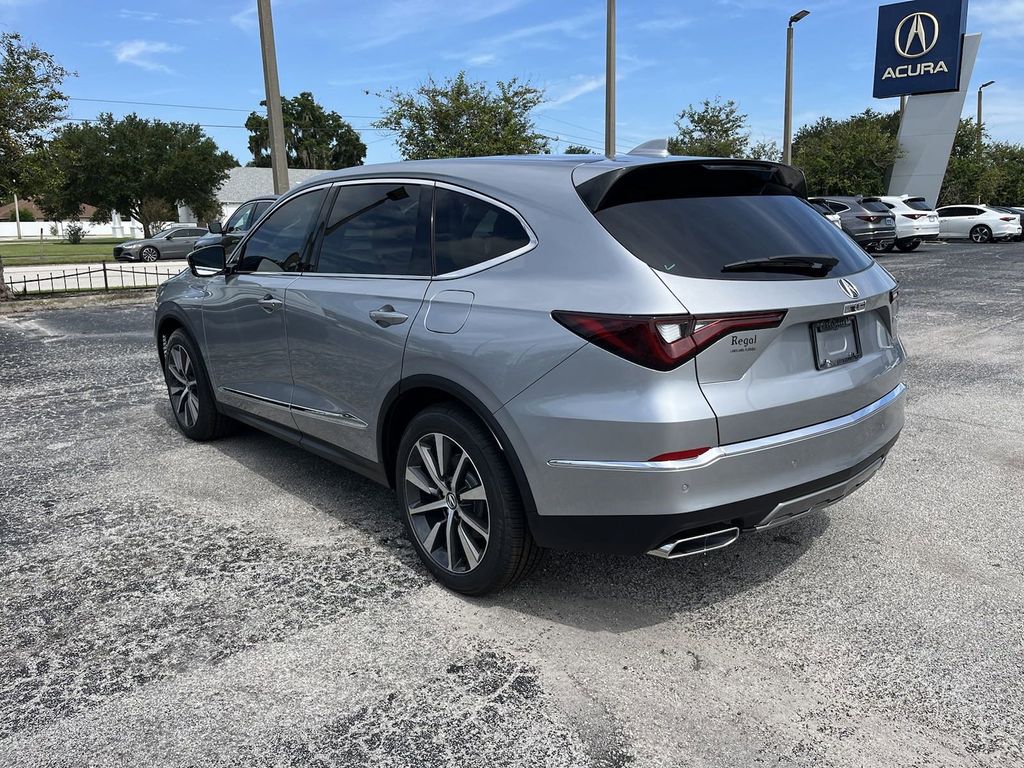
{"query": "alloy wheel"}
{"type": "Point", "coordinates": [980, 235]}
{"type": "Point", "coordinates": [149, 254]}
{"type": "Point", "coordinates": [183, 386]}
{"type": "Point", "coordinates": [447, 503]}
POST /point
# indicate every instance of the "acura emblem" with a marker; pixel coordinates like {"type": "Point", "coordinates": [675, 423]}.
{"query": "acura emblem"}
{"type": "Point", "coordinates": [849, 288]}
{"type": "Point", "coordinates": [916, 35]}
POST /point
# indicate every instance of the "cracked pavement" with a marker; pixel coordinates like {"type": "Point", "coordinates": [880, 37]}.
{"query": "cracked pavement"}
{"type": "Point", "coordinates": [242, 603]}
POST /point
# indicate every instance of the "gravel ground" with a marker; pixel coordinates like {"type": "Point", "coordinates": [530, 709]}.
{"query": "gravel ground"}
{"type": "Point", "coordinates": [243, 603]}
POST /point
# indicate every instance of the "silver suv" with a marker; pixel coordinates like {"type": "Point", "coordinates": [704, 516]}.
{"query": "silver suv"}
{"type": "Point", "coordinates": [551, 352]}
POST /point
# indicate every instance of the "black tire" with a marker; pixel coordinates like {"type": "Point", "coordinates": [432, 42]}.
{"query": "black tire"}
{"type": "Point", "coordinates": [981, 234]}
{"type": "Point", "coordinates": [509, 551]}
{"type": "Point", "coordinates": [206, 422]}
{"type": "Point", "coordinates": [149, 254]}
{"type": "Point", "coordinates": [906, 246]}
{"type": "Point", "coordinates": [886, 248]}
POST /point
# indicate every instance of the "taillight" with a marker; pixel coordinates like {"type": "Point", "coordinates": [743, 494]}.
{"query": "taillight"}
{"type": "Point", "coordinates": [662, 342]}
{"type": "Point", "coordinates": [914, 216]}
{"type": "Point", "coordinates": [870, 219]}
{"type": "Point", "coordinates": [1007, 218]}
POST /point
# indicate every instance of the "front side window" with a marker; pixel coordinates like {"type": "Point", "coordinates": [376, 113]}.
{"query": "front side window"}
{"type": "Point", "coordinates": [239, 221]}
{"type": "Point", "coordinates": [282, 241]}
{"type": "Point", "coordinates": [378, 229]}
{"type": "Point", "coordinates": [469, 231]}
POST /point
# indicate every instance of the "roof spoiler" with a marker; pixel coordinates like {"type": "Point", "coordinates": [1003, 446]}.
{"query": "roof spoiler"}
{"type": "Point", "coordinates": [652, 148]}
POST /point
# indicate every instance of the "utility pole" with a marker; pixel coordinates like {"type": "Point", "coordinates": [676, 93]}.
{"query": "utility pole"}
{"type": "Point", "coordinates": [980, 125]}
{"type": "Point", "coordinates": [787, 131]}
{"type": "Point", "coordinates": [275, 120]}
{"type": "Point", "coordinates": [609, 84]}
{"type": "Point", "coordinates": [17, 215]}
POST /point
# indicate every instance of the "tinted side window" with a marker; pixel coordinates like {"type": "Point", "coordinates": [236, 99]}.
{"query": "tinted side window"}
{"type": "Point", "coordinates": [281, 243]}
{"type": "Point", "coordinates": [837, 207]}
{"type": "Point", "coordinates": [195, 232]}
{"type": "Point", "coordinates": [239, 221]}
{"type": "Point", "coordinates": [261, 208]}
{"type": "Point", "coordinates": [378, 229]}
{"type": "Point", "coordinates": [469, 231]}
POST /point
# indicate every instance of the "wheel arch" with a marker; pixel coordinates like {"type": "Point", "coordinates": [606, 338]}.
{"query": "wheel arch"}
{"type": "Point", "coordinates": [412, 395]}
{"type": "Point", "coordinates": [167, 322]}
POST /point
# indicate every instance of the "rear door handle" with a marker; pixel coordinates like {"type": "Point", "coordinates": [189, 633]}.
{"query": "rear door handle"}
{"type": "Point", "coordinates": [269, 303]}
{"type": "Point", "coordinates": [387, 316]}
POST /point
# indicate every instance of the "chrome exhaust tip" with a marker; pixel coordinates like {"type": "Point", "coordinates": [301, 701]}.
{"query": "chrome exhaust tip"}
{"type": "Point", "coordinates": [696, 544]}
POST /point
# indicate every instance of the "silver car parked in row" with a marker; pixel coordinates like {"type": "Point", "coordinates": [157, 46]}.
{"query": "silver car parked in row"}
{"type": "Point", "coordinates": [175, 242]}
{"type": "Point", "coordinates": [565, 352]}
{"type": "Point", "coordinates": [977, 223]}
{"type": "Point", "coordinates": [869, 222]}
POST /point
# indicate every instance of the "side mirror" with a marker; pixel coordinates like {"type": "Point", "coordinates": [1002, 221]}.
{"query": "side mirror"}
{"type": "Point", "coordinates": [215, 228]}
{"type": "Point", "coordinates": [208, 261]}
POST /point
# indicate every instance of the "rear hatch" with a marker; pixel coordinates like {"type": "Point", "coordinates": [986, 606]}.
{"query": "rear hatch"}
{"type": "Point", "coordinates": [738, 237]}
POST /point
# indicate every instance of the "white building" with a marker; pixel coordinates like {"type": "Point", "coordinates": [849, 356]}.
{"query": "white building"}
{"type": "Point", "coordinates": [246, 183]}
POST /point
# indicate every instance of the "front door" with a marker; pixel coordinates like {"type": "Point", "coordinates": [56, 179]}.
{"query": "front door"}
{"type": "Point", "coordinates": [348, 319]}
{"type": "Point", "coordinates": [244, 317]}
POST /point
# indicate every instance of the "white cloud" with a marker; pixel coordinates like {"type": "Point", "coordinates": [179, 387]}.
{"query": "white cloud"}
{"type": "Point", "coordinates": [246, 18]}
{"type": "Point", "coordinates": [481, 59]}
{"type": "Point", "coordinates": [578, 86]}
{"type": "Point", "coordinates": [133, 15]}
{"type": "Point", "coordinates": [999, 18]}
{"type": "Point", "coordinates": [393, 20]}
{"type": "Point", "coordinates": [141, 53]}
{"type": "Point", "coordinates": [664, 24]}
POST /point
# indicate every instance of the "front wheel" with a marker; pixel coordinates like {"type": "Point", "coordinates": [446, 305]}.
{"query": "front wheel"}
{"type": "Point", "coordinates": [149, 253]}
{"type": "Point", "coordinates": [981, 234]}
{"type": "Point", "coordinates": [887, 248]}
{"type": "Point", "coordinates": [460, 503]}
{"type": "Point", "coordinates": [906, 246]}
{"type": "Point", "coordinates": [188, 387]}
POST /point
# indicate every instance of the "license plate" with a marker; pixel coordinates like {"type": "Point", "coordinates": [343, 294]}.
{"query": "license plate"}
{"type": "Point", "coordinates": [836, 342]}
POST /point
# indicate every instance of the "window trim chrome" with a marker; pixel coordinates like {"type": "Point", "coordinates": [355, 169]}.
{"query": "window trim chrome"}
{"type": "Point", "coordinates": [738, 449]}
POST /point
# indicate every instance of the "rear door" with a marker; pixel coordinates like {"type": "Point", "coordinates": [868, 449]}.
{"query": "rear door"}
{"type": "Point", "coordinates": [833, 353]}
{"type": "Point", "coordinates": [349, 317]}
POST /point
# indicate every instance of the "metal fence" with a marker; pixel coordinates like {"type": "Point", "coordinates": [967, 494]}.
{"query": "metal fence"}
{"type": "Point", "coordinates": [105, 277]}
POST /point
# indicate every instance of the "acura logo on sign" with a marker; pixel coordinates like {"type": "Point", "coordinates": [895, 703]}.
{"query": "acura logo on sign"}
{"type": "Point", "coordinates": [849, 288]}
{"type": "Point", "coordinates": [916, 35]}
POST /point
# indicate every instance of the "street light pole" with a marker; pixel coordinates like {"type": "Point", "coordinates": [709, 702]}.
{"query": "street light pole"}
{"type": "Point", "coordinates": [980, 124]}
{"type": "Point", "coordinates": [787, 138]}
{"type": "Point", "coordinates": [609, 84]}
{"type": "Point", "coordinates": [275, 119]}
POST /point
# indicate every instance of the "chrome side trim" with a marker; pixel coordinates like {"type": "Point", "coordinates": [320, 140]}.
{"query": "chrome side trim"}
{"type": "Point", "coordinates": [344, 419]}
{"type": "Point", "coordinates": [738, 449]}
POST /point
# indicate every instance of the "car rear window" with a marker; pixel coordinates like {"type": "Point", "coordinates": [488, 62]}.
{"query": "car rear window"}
{"type": "Point", "coordinates": [875, 206]}
{"type": "Point", "coordinates": [693, 224]}
{"type": "Point", "coordinates": [918, 204]}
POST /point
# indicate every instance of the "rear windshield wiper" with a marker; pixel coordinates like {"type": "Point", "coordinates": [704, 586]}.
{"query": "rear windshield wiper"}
{"type": "Point", "coordinates": [800, 265]}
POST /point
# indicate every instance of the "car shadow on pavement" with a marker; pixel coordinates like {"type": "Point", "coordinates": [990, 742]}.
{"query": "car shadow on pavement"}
{"type": "Point", "coordinates": [593, 592]}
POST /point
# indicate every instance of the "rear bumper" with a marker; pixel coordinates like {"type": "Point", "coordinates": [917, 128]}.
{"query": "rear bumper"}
{"type": "Point", "coordinates": [632, 507]}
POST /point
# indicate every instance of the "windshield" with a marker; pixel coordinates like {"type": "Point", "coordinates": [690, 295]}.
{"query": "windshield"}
{"type": "Point", "coordinates": [699, 236]}
{"type": "Point", "coordinates": [918, 204]}
{"type": "Point", "coordinates": [875, 206]}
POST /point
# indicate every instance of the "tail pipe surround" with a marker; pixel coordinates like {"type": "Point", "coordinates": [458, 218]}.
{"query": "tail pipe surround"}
{"type": "Point", "coordinates": [696, 544]}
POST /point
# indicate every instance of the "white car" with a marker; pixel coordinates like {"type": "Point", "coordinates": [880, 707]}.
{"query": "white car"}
{"type": "Point", "coordinates": [916, 220]}
{"type": "Point", "coordinates": [979, 223]}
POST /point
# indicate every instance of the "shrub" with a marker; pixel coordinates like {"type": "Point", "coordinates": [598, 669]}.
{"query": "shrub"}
{"type": "Point", "coordinates": [74, 232]}
{"type": "Point", "coordinates": [26, 215]}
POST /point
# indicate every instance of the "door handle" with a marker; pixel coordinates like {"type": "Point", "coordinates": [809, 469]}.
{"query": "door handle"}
{"type": "Point", "coordinates": [387, 316]}
{"type": "Point", "coordinates": [269, 303]}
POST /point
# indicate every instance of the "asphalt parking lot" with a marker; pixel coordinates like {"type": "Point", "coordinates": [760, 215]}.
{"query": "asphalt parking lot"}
{"type": "Point", "coordinates": [243, 603]}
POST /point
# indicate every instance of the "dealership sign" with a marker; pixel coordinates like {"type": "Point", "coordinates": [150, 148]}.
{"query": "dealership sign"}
{"type": "Point", "coordinates": [919, 47]}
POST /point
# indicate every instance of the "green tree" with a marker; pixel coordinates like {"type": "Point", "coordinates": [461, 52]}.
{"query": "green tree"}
{"type": "Point", "coordinates": [144, 168]}
{"type": "Point", "coordinates": [31, 101]}
{"type": "Point", "coordinates": [578, 149]}
{"type": "Point", "coordinates": [847, 157]}
{"type": "Point", "coordinates": [714, 129]}
{"type": "Point", "coordinates": [314, 137]}
{"type": "Point", "coordinates": [458, 118]}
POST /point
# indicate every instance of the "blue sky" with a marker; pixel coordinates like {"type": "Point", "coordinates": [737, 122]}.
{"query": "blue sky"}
{"type": "Point", "coordinates": [670, 54]}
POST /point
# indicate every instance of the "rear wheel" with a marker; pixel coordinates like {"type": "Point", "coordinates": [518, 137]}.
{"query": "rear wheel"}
{"type": "Point", "coordinates": [460, 504]}
{"type": "Point", "coordinates": [188, 387]}
{"type": "Point", "coordinates": [981, 234]}
{"type": "Point", "coordinates": [887, 248]}
{"type": "Point", "coordinates": [908, 245]}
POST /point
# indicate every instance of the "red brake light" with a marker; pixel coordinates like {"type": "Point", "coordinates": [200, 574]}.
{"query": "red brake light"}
{"type": "Point", "coordinates": [693, 453]}
{"type": "Point", "coordinates": [1007, 218]}
{"type": "Point", "coordinates": [870, 219]}
{"type": "Point", "coordinates": [661, 342]}
{"type": "Point", "coordinates": [914, 216]}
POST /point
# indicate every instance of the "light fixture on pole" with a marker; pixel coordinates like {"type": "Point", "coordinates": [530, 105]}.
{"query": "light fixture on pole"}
{"type": "Point", "coordinates": [609, 83]}
{"type": "Point", "coordinates": [787, 138]}
{"type": "Point", "coordinates": [980, 124]}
